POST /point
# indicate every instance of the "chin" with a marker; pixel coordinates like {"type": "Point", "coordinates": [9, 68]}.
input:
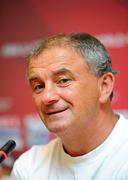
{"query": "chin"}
{"type": "Point", "coordinates": [57, 128]}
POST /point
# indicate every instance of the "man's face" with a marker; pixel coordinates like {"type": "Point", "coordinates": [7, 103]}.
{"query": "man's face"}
{"type": "Point", "coordinates": [65, 92]}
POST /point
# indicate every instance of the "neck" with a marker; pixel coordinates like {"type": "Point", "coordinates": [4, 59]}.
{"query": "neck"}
{"type": "Point", "coordinates": [79, 142]}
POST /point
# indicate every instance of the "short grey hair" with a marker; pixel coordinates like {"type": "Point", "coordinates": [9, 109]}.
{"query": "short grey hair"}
{"type": "Point", "coordinates": [90, 48]}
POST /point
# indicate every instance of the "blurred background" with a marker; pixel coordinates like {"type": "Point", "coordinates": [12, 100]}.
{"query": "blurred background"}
{"type": "Point", "coordinates": [25, 22]}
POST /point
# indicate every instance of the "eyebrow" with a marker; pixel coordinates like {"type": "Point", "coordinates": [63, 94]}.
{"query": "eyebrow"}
{"type": "Point", "coordinates": [54, 73]}
{"type": "Point", "coordinates": [33, 78]}
{"type": "Point", "coordinates": [61, 71]}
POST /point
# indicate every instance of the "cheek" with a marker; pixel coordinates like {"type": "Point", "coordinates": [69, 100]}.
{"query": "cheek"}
{"type": "Point", "coordinates": [37, 101]}
{"type": "Point", "coordinates": [70, 95]}
{"type": "Point", "coordinates": [84, 95]}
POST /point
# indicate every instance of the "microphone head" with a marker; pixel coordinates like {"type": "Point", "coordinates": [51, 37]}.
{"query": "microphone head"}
{"type": "Point", "coordinates": [6, 149]}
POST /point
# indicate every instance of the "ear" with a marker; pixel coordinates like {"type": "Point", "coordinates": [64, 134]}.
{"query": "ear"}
{"type": "Point", "coordinates": [106, 85]}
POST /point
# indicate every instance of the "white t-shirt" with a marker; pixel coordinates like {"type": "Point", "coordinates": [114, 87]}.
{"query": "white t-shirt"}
{"type": "Point", "coordinates": [109, 161]}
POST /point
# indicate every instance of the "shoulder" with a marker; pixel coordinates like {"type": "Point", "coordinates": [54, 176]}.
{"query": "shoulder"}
{"type": "Point", "coordinates": [123, 122]}
{"type": "Point", "coordinates": [39, 151]}
{"type": "Point", "coordinates": [120, 133]}
{"type": "Point", "coordinates": [38, 156]}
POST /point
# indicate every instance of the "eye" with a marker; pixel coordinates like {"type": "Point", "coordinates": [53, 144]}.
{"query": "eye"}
{"type": "Point", "coordinates": [37, 88]}
{"type": "Point", "coordinates": [63, 82]}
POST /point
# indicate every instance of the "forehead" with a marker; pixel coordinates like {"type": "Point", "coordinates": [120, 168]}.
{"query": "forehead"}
{"type": "Point", "coordinates": [56, 55]}
{"type": "Point", "coordinates": [57, 58]}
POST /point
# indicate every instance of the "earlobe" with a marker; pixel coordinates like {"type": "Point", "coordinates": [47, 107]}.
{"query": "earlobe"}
{"type": "Point", "coordinates": [106, 85]}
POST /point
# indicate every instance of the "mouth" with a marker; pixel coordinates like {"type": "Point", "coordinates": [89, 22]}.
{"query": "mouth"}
{"type": "Point", "coordinates": [56, 112]}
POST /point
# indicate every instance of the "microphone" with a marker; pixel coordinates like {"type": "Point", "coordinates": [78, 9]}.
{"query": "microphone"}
{"type": "Point", "coordinates": [6, 149]}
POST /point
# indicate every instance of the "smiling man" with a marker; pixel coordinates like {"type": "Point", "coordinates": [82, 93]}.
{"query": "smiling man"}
{"type": "Point", "coordinates": [72, 83]}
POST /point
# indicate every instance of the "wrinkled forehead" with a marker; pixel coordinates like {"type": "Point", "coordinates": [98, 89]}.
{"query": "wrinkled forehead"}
{"type": "Point", "coordinates": [64, 54]}
{"type": "Point", "coordinates": [57, 60]}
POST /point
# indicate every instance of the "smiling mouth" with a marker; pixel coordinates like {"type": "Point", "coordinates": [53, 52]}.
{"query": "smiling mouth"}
{"type": "Point", "coordinates": [56, 112]}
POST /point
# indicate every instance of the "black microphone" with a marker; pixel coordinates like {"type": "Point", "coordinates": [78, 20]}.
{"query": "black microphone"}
{"type": "Point", "coordinates": [6, 149]}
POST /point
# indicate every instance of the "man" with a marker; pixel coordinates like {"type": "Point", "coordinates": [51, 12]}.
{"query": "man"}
{"type": "Point", "coordinates": [72, 82]}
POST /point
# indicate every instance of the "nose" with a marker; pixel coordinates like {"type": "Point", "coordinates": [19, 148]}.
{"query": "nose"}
{"type": "Point", "coordinates": [50, 94]}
